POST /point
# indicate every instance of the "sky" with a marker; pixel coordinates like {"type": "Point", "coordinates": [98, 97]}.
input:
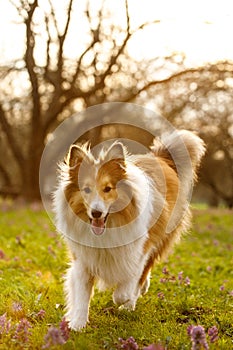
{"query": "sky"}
{"type": "Point", "coordinates": [202, 29]}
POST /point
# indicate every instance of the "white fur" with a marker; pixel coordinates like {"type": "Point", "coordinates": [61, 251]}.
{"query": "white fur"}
{"type": "Point", "coordinates": [120, 265]}
{"type": "Point", "coordinates": [116, 258]}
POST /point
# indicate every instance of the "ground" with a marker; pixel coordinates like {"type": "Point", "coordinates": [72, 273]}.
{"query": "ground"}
{"type": "Point", "coordinates": [193, 287]}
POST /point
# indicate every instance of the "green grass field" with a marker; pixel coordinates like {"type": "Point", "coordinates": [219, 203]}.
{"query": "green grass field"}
{"type": "Point", "coordinates": [194, 287]}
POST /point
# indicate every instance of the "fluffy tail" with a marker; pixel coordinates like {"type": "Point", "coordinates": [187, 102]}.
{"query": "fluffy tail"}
{"type": "Point", "coordinates": [182, 149]}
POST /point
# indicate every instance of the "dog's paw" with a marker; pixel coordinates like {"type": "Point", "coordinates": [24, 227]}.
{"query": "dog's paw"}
{"type": "Point", "coordinates": [77, 323]}
{"type": "Point", "coordinates": [129, 305]}
{"type": "Point", "coordinates": [125, 299]}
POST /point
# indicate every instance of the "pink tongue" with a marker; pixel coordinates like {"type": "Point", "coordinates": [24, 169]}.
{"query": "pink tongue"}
{"type": "Point", "coordinates": [97, 226]}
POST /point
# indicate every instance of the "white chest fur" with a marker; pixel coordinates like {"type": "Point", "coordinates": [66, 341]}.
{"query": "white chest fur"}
{"type": "Point", "coordinates": [111, 266]}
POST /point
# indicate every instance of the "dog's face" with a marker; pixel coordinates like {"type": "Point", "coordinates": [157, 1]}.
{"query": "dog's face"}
{"type": "Point", "coordinates": [100, 182]}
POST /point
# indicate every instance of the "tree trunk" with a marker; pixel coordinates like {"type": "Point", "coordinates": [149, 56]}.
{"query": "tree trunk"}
{"type": "Point", "coordinates": [30, 174]}
{"type": "Point", "coordinates": [30, 187]}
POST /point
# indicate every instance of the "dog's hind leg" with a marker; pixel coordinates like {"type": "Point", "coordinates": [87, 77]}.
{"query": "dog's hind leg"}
{"type": "Point", "coordinates": [144, 282]}
{"type": "Point", "coordinates": [146, 285]}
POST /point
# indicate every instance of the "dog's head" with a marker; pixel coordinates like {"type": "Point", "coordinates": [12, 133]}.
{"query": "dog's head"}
{"type": "Point", "coordinates": [97, 186]}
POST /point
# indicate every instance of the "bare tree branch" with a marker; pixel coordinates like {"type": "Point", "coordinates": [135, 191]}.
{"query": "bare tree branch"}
{"type": "Point", "coordinates": [62, 37]}
{"type": "Point", "coordinates": [158, 82]}
{"type": "Point", "coordinates": [95, 39]}
{"type": "Point", "coordinates": [48, 43]}
{"type": "Point", "coordinates": [54, 17]}
{"type": "Point", "coordinates": [127, 16]}
{"type": "Point", "coordinates": [30, 65]}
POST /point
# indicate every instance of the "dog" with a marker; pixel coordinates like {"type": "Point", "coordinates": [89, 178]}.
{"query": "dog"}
{"type": "Point", "coordinates": [120, 213]}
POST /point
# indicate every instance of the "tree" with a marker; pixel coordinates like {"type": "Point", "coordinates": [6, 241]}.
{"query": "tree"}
{"type": "Point", "coordinates": [49, 83]}
{"type": "Point", "coordinates": [46, 85]}
{"type": "Point", "coordinates": [201, 100]}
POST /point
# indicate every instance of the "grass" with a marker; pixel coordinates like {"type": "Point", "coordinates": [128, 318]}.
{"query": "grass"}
{"type": "Point", "coordinates": [33, 259]}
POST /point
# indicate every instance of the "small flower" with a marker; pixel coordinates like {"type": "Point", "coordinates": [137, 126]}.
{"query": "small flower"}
{"type": "Point", "coordinates": [53, 337]}
{"type": "Point", "coordinates": [22, 331]}
{"type": "Point", "coordinates": [198, 337]}
{"type": "Point", "coordinates": [160, 295]}
{"type": "Point", "coordinates": [221, 288]}
{"type": "Point", "coordinates": [128, 344]}
{"type": "Point", "coordinates": [17, 307]}
{"type": "Point", "coordinates": [180, 276]}
{"type": "Point", "coordinates": [41, 314]}
{"type": "Point", "coordinates": [187, 281]}
{"type": "Point", "coordinates": [213, 334]}
{"type": "Point", "coordinates": [189, 330]}
{"type": "Point", "coordinates": [64, 328]}
{"type": "Point", "coordinates": [5, 324]}
{"type": "Point", "coordinates": [165, 271]}
{"type": "Point", "coordinates": [163, 280]}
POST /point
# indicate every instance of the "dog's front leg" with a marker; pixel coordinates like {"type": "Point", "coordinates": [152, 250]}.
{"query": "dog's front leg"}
{"type": "Point", "coordinates": [78, 288]}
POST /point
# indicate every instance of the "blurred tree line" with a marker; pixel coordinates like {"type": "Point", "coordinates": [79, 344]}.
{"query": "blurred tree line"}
{"type": "Point", "coordinates": [45, 86]}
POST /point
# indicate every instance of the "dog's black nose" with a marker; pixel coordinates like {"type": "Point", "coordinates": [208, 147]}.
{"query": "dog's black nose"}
{"type": "Point", "coordinates": [96, 214]}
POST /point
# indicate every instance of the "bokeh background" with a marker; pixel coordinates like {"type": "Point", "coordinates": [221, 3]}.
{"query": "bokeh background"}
{"type": "Point", "coordinates": [58, 58]}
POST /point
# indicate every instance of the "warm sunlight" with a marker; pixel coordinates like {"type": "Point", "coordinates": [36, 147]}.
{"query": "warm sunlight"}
{"type": "Point", "coordinates": [200, 29]}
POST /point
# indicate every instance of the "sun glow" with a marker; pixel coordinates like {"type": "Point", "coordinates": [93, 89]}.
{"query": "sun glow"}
{"type": "Point", "coordinates": [200, 29]}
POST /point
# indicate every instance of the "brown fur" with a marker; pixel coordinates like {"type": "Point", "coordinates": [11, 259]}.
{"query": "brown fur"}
{"type": "Point", "coordinates": [143, 197]}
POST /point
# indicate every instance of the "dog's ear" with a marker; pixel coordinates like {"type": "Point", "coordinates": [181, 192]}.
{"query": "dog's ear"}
{"type": "Point", "coordinates": [75, 156]}
{"type": "Point", "coordinates": [115, 151]}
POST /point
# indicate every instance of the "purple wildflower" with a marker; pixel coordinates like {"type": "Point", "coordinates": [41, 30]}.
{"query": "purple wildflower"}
{"type": "Point", "coordinates": [165, 271]}
{"type": "Point", "coordinates": [187, 281]}
{"type": "Point", "coordinates": [17, 307]}
{"type": "Point", "coordinates": [128, 344]}
{"type": "Point", "coordinates": [41, 314]}
{"type": "Point", "coordinates": [64, 328]}
{"type": "Point", "coordinates": [5, 324]}
{"type": "Point", "coordinates": [221, 288]}
{"type": "Point", "coordinates": [53, 337]}
{"type": "Point", "coordinates": [180, 276]}
{"type": "Point", "coordinates": [213, 334]}
{"type": "Point", "coordinates": [161, 295]}
{"type": "Point", "coordinates": [163, 280]}
{"type": "Point", "coordinates": [22, 331]}
{"type": "Point", "coordinates": [189, 330]}
{"type": "Point", "coordinates": [198, 337]}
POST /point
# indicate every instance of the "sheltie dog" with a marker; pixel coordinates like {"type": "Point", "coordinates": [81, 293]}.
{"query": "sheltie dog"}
{"type": "Point", "coordinates": [120, 213]}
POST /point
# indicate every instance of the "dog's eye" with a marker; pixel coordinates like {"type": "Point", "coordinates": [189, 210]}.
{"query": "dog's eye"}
{"type": "Point", "coordinates": [107, 189]}
{"type": "Point", "coordinates": [87, 190]}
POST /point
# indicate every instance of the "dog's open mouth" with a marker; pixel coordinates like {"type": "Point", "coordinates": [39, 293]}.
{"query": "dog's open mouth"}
{"type": "Point", "coordinates": [98, 225]}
